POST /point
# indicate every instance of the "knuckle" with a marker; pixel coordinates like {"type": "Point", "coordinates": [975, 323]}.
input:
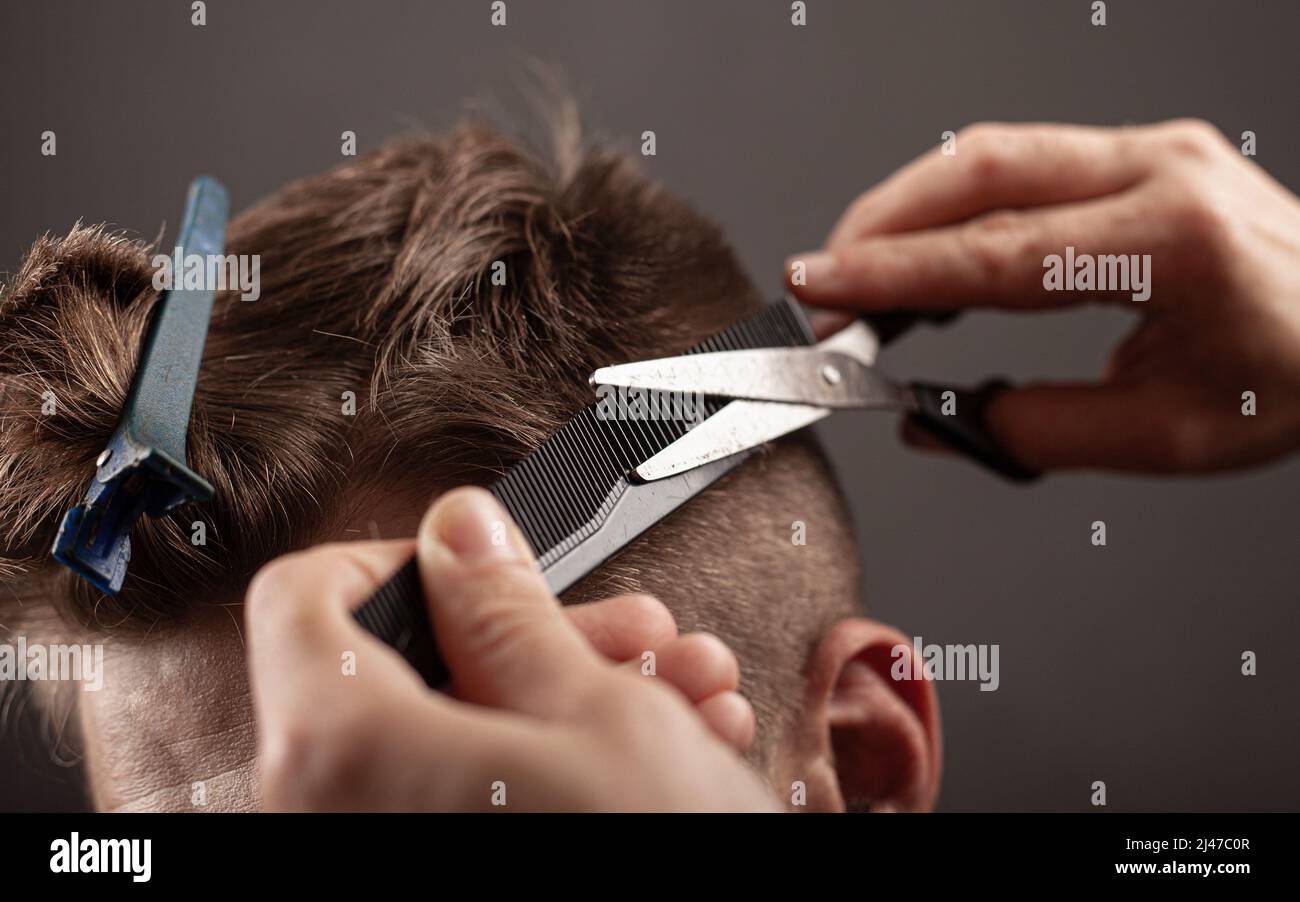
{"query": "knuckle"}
{"type": "Point", "coordinates": [1194, 138]}
{"type": "Point", "coordinates": [997, 243]}
{"type": "Point", "coordinates": [652, 613]}
{"type": "Point", "coordinates": [266, 582]}
{"type": "Point", "coordinates": [272, 593]}
{"type": "Point", "coordinates": [284, 758]}
{"type": "Point", "coordinates": [289, 595]}
{"type": "Point", "coordinates": [860, 209]}
{"type": "Point", "coordinates": [277, 763]}
{"type": "Point", "coordinates": [854, 261]}
{"type": "Point", "coordinates": [986, 152]}
{"type": "Point", "coordinates": [714, 646]}
{"type": "Point", "coordinates": [493, 632]}
{"type": "Point", "coordinates": [313, 766]}
{"type": "Point", "coordinates": [978, 134]}
{"type": "Point", "coordinates": [495, 620]}
{"type": "Point", "coordinates": [508, 581]}
{"type": "Point", "coordinates": [1204, 219]}
{"type": "Point", "coordinates": [1190, 442]}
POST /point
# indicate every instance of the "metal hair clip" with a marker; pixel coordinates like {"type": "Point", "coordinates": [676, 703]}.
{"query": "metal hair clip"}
{"type": "Point", "coordinates": [142, 470]}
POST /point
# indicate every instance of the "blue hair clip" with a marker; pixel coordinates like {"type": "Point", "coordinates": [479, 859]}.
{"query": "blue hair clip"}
{"type": "Point", "coordinates": [142, 470]}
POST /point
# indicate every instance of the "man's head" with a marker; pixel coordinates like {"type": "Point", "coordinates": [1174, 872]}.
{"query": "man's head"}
{"type": "Point", "coordinates": [377, 279]}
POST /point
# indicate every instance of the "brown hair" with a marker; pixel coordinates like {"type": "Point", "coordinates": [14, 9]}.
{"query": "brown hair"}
{"type": "Point", "coordinates": [376, 279]}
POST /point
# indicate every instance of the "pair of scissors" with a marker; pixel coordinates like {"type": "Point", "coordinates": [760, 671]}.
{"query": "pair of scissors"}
{"type": "Point", "coordinates": [776, 391]}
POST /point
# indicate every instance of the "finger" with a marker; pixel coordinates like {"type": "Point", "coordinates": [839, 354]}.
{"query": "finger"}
{"type": "Point", "coordinates": [998, 261]}
{"type": "Point", "coordinates": [624, 627]}
{"type": "Point", "coordinates": [298, 615]}
{"type": "Point", "coordinates": [338, 711]}
{"type": "Point", "coordinates": [1056, 426]}
{"type": "Point", "coordinates": [698, 665]}
{"type": "Point", "coordinates": [731, 718]}
{"type": "Point", "coordinates": [703, 669]}
{"type": "Point", "coordinates": [1061, 426]}
{"type": "Point", "coordinates": [997, 166]}
{"type": "Point", "coordinates": [504, 635]}
{"type": "Point", "coordinates": [302, 640]}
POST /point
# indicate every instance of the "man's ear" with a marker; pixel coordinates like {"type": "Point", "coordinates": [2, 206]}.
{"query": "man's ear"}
{"type": "Point", "coordinates": [868, 741]}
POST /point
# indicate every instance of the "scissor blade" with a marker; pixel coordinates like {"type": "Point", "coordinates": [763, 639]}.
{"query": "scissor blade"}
{"type": "Point", "coordinates": [745, 424]}
{"type": "Point", "coordinates": [814, 376]}
{"type": "Point", "coordinates": [737, 427]}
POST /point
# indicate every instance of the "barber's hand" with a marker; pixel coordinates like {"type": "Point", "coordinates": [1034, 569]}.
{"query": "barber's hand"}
{"type": "Point", "coordinates": [542, 717]}
{"type": "Point", "coordinates": [973, 229]}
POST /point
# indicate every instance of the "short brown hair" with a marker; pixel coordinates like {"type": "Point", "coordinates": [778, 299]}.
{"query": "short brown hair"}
{"type": "Point", "coordinates": [376, 279]}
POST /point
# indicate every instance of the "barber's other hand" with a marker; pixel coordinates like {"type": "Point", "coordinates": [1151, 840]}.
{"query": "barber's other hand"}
{"type": "Point", "coordinates": [542, 718]}
{"type": "Point", "coordinates": [973, 229]}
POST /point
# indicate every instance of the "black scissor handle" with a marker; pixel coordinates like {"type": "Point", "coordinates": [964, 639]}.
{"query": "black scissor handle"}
{"type": "Point", "coordinates": [893, 323]}
{"type": "Point", "coordinates": [960, 421]}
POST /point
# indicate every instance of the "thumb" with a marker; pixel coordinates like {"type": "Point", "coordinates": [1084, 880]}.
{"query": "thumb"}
{"type": "Point", "coordinates": [502, 632]}
{"type": "Point", "coordinates": [1051, 426]}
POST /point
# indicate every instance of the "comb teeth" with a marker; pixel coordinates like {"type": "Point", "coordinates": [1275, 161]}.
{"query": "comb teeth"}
{"type": "Point", "coordinates": [562, 492]}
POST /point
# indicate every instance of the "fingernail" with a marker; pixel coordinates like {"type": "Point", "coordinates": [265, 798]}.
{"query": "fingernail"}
{"type": "Point", "coordinates": [473, 526]}
{"type": "Point", "coordinates": [817, 271]}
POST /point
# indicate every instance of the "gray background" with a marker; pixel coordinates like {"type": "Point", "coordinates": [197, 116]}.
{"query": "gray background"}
{"type": "Point", "coordinates": [1118, 663]}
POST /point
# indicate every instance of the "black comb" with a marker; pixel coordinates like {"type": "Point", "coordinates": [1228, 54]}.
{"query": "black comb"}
{"type": "Point", "coordinates": [573, 500]}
